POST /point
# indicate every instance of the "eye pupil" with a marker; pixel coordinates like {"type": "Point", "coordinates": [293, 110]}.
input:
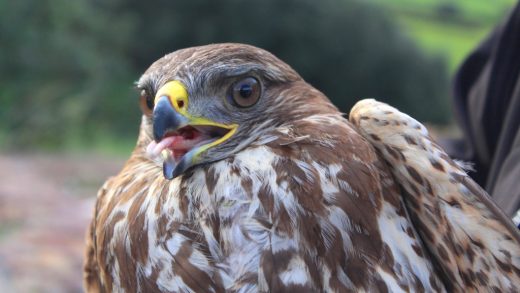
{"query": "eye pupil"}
{"type": "Point", "coordinates": [149, 102]}
{"type": "Point", "coordinates": [245, 91]}
{"type": "Point", "coordinates": [146, 102]}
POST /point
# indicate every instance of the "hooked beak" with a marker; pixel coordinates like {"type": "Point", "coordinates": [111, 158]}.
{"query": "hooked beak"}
{"type": "Point", "coordinates": [179, 137]}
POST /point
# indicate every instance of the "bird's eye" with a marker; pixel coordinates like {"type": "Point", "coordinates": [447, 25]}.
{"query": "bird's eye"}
{"type": "Point", "coordinates": [146, 102]}
{"type": "Point", "coordinates": [245, 92]}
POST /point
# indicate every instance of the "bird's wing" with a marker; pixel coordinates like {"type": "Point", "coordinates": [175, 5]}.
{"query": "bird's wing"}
{"type": "Point", "coordinates": [471, 241]}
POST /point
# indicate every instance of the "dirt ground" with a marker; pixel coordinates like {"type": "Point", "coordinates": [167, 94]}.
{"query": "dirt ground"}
{"type": "Point", "coordinates": [45, 204]}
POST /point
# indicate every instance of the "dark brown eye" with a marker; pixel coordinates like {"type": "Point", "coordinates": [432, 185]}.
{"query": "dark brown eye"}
{"type": "Point", "coordinates": [146, 102]}
{"type": "Point", "coordinates": [245, 92]}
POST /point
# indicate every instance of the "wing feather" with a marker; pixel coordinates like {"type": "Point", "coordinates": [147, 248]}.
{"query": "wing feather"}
{"type": "Point", "coordinates": [470, 239]}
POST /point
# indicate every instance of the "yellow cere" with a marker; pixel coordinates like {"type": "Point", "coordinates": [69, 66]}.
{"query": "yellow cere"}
{"type": "Point", "coordinates": [177, 94]}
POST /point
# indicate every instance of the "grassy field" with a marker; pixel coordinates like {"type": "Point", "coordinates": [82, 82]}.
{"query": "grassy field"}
{"type": "Point", "coordinates": [449, 29]}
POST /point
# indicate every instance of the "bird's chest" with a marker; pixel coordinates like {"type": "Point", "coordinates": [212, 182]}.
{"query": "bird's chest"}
{"type": "Point", "coordinates": [208, 228]}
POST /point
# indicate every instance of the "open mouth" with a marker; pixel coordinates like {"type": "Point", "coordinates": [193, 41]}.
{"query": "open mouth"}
{"type": "Point", "coordinates": [185, 139]}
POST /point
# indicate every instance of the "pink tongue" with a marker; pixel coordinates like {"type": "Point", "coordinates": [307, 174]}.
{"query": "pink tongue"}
{"type": "Point", "coordinates": [177, 144]}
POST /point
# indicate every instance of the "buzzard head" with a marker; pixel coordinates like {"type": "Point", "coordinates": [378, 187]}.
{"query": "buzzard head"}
{"type": "Point", "coordinates": [204, 104]}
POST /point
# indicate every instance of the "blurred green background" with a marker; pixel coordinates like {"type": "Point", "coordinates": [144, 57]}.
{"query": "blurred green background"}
{"type": "Point", "coordinates": [67, 67]}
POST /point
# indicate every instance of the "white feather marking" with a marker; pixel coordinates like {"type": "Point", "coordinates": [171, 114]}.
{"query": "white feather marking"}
{"type": "Point", "coordinates": [175, 243]}
{"type": "Point", "coordinates": [391, 283]}
{"type": "Point", "coordinates": [282, 243]}
{"type": "Point", "coordinates": [325, 276]}
{"type": "Point", "coordinates": [341, 221]}
{"type": "Point", "coordinates": [297, 273]}
{"type": "Point", "coordinates": [199, 260]}
{"type": "Point", "coordinates": [307, 170]}
{"type": "Point", "coordinates": [393, 233]}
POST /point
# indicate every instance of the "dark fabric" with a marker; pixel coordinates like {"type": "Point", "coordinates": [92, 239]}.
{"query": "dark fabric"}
{"type": "Point", "coordinates": [487, 107]}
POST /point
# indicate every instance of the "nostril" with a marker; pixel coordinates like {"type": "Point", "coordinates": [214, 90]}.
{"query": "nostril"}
{"type": "Point", "coordinates": [180, 104]}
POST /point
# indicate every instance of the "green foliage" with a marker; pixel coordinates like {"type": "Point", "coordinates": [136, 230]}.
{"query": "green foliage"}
{"type": "Point", "coordinates": [67, 66]}
{"type": "Point", "coordinates": [62, 69]}
{"type": "Point", "coordinates": [446, 27]}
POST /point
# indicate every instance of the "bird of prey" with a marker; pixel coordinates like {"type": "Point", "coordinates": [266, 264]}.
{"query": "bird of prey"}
{"type": "Point", "coordinates": [245, 178]}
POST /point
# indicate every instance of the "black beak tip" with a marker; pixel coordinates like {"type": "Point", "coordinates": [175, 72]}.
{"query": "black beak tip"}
{"type": "Point", "coordinates": [169, 167]}
{"type": "Point", "coordinates": [167, 172]}
{"type": "Point", "coordinates": [171, 170]}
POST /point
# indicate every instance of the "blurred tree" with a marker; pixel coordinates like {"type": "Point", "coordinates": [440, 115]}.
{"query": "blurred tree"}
{"type": "Point", "coordinates": [59, 61]}
{"type": "Point", "coordinates": [67, 66]}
